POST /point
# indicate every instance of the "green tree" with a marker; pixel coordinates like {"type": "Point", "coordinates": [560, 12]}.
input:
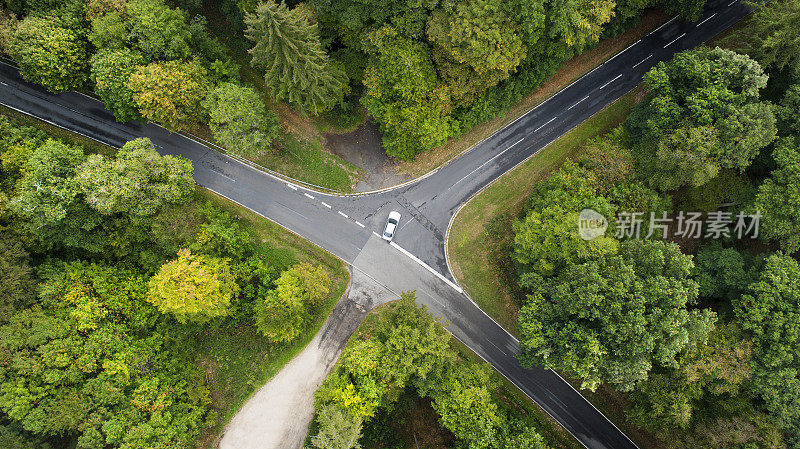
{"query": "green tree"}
{"type": "Point", "coordinates": [525, 438]}
{"type": "Point", "coordinates": [8, 23]}
{"type": "Point", "coordinates": [110, 28]}
{"type": "Point", "coordinates": [50, 54]}
{"type": "Point", "coordinates": [158, 31]}
{"type": "Point", "coordinates": [408, 16]}
{"type": "Point", "coordinates": [703, 113]}
{"type": "Point", "coordinates": [721, 273]}
{"type": "Point", "coordinates": [408, 347]}
{"type": "Point", "coordinates": [689, 10]}
{"type": "Point", "coordinates": [769, 311]}
{"type": "Point", "coordinates": [312, 284]}
{"type": "Point", "coordinates": [685, 156]}
{"type": "Point", "coordinates": [772, 36]}
{"type": "Point", "coordinates": [708, 374]}
{"type": "Point", "coordinates": [49, 188]}
{"type": "Point", "coordinates": [402, 94]}
{"type": "Point", "coordinates": [614, 318]}
{"type": "Point", "coordinates": [79, 366]}
{"type": "Point", "coordinates": [417, 346]}
{"type": "Point", "coordinates": [97, 8]}
{"type": "Point", "coordinates": [17, 284]}
{"type": "Point", "coordinates": [240, 120]}
{"type": "Point", "coordinates": [360, 384]}
{"type": "Point", "coordinates": [778, 198]}
{"type": "Point", "coordinates": [547, 239]}
{"type": "Point", "coordinates": [788, 112]}
{"type": "Point", "coordinates": [336, 429]}
{"type": "Point", "coordinates": [137, 182]}
{"type": "Point", "coordinates": [110, 72]}
{"type": "Point", "coordinates": [609, 159]}
{"type": "Point", "coordinates": [464, 402]}
{"type": "Point", "coordinates": [558, 29]}
{"type": "Point", "coordinates": [12, 437]}
{"type": "Point", "coordinates": [193, 287]}
{"type": "Point", "coordinates": [636, 197]}
{"type": "Point", "coordinates": [285, 311]}
{"type": "Point", "coordinates": [287, 44]}
{"type": "Point", "coordinates": [479, 35]}
{"type": "Point", "coordinates": [170, 93]}
{"type": "Point", "coordinates": [576, 25]}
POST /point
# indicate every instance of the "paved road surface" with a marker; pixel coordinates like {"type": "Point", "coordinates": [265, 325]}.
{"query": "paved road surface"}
{"type": "Point", "coordinates": [346, 225]}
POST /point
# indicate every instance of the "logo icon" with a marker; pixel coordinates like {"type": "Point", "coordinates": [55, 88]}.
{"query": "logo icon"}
{"type": "Point", "coordinates": [591, 224]}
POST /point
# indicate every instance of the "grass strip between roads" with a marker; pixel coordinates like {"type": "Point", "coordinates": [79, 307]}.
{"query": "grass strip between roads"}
{"type": "Point", "coordinates": [480, 239]}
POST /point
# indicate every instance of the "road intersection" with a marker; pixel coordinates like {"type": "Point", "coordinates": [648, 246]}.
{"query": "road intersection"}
{"type": "Point", "coordinates": [348, 225]}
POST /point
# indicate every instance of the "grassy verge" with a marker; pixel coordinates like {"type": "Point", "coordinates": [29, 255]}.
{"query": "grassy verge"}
{"type": "Point", "coordinates": [309, 162]}
{"type": "Point", "coordinates": [569, 72]}
{"type": "Point", "coordinates": [479, 241]}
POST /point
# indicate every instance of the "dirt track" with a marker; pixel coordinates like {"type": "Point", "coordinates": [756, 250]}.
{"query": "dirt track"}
{"type": "Point", "coordinates": [277, 416]}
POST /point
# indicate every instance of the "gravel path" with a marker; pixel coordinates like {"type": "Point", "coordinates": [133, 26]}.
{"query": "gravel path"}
{"type": "Point", "coordinates": [277, 416]}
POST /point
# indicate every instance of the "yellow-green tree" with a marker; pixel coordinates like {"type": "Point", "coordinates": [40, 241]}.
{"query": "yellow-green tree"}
{"type": "Point", "coordinates": [286, 310]}
{"type": "Point", "coordinates": [170, 93]}
{"type": "Point", "coordinates": [138, 182]}
{"type": "Point", "coordinates": [193, 287]}
{"type": "Point", "coordinates": [110, 72]}
{"type": "Point", "coordinates": [49, 54]}
{"type": "Point", "coordinates": [476, 45]}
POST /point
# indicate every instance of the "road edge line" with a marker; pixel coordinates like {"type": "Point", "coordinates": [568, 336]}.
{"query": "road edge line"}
{"type": "Point", "coordinates": [427, 267]}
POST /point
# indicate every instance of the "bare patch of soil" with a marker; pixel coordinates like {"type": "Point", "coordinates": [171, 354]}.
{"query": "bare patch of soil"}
{"type": "Point", "coordinates": [364, 149]}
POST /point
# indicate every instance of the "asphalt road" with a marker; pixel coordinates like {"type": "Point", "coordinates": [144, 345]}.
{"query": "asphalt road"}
{"type": "Point", "coordinates": [346, 225]}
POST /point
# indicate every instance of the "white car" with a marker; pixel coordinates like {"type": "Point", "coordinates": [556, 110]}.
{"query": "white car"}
{"type": "Point", "coordinates": [391, 226]}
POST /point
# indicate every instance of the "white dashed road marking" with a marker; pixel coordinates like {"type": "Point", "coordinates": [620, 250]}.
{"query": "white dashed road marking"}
{"type": "Point", "coordinates": [640, 62]}
{"type": "Point", "coordinates": [359, 224]}
{"type": "Point", "coordinates": [662, 26]}
{"type": "Point", "coordinates": [325, 204]}
{"type": "Point", "coordinates": [490, 160]}
{"type": "Point", "coordinates": [606, 84]}
{"type": "Point", "coordinates": [579, 102]}
{"type": "Point", "coordinates": [549, 122]}
{"type": "Point", "coordinates": [675, 40]}
{"type": "Point", "coordinates": [707, 19]}
{"type": "Point", "coordinates": [308, 196]}
{"type": "Point", "coordinates": [293, 187]}
{"type": "Point", "coordinates": [343, 214]}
